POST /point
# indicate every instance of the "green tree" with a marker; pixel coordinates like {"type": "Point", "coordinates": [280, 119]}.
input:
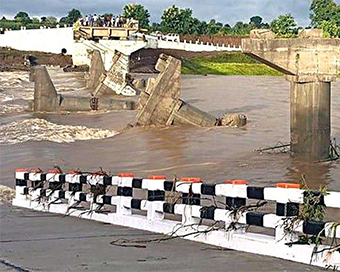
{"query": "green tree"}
{"type": "Point", "coordinates": [177, 20]}
{"type": "Point", "coordinates": [73, 16]}
{"type": "Point", "coordinates": [213, 27]}
{"type": "Point", "coordinates": [201, 27]}
{"type": "Point", "coordinates": [330, 28]}
{"type": "Point", "coordinates": [137, 12]}
{"type": "Point", "coordinates": [241, 28]}
{"type": "Point", "coordinates": [63, 20]}
{"type": "Point", "coordinates": [284, 25]}
{"type": "Point", "coordinates": [227, 30]}
{"type": "Point", "coordinates": [23, 18]}
{"type": "Point", "coordinates": [21, 15]}
{"type": "Point", "coordinates": [324, 10]}
{"type": "Point", "coordinates": [155, 27]}
{"type": "Point", "coordinates": [325, 14]}
{"type": "Point", "coordinates": [51, 21]}
{"type": "Point", "coordinates": [256, 20]}
{"type": "Point", "coordinates": [35, 20]}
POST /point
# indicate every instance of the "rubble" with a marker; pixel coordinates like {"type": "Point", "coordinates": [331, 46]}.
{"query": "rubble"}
{"type": "Point", "coordinates": [114, 81]}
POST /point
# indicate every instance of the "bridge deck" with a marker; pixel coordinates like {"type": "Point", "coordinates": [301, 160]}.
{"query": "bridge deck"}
{"type": "Point", "coordinates": [89, 32]}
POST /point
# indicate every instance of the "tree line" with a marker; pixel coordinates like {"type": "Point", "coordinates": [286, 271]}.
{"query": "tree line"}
{"type": "Point", "coordinates": [324, 14]}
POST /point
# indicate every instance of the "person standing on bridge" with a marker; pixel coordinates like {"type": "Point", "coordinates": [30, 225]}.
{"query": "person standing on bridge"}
{"type": "Point", "coordinates": [107, 21]}
{"type": "Point", "coordinates": [95, 20]}
{"type": "Point", "coordinates": [113, 20]}
{"type": "Point", "coordinates": [86, 20]}
{"type": "Point", "coordinates": [90, 20]}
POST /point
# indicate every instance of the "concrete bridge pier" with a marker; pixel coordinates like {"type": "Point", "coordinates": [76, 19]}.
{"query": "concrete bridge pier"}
{"type": "Point", "coordinates": [310, 123]}
{"type": "Point", "coordinates": [310, 63]}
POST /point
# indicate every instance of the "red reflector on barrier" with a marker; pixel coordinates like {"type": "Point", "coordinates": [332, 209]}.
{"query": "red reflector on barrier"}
{"type": "Point", "coordinates": [54, 171]}
{"type": "Point", "coordinates": [156, 177]}
{"type": "Point", "coordinates": [73, 173]}
{"type": "Point", "coordinates": [125, 175]}
{"type": "Point", "coordinates": [21, 170]}
{"type": "Point", "coordinates": [194, 180]}
{"type": "Point", "coordinates": [289, 185]}
{"type": "Point", "coordinates": [36, 171]}
{"type": "Point", "coordinates": [236, 181]}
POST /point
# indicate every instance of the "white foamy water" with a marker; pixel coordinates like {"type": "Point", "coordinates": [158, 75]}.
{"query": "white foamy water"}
{"type": "Point", "coordinates": [14, 79]}
{"type": "Point", "coordinates": [16, 89]}
{"type": "Point", "coordinates": [11, 108]}
{"type": "Point", "coordinates": [42, 130]}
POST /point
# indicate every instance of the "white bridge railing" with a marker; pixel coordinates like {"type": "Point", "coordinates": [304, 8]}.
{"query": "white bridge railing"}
{"type": "Point", "coordinates": [217, 214]}
{"type": "Point", "coordinates": [196, 46]}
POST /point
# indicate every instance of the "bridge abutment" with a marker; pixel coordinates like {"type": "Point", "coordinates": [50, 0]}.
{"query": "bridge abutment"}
{"type": "Point", "coordinates": [310, 63]}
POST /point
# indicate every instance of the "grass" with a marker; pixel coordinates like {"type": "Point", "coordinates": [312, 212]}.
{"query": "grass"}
{"type": "Point", "coordinates": [227, 64]}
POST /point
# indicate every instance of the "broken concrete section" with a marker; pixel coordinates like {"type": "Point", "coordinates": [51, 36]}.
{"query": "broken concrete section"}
{"type": "Point", "coordinates": [115, 81]}
{"type": "Point", "coordinates": [96, 70]}
{"type": "Point", "coordinates": [160, 103]}
{"type": "Point", "coordinates": [47, 99]}
{"type": "Point", "coordinates": [310, 63]}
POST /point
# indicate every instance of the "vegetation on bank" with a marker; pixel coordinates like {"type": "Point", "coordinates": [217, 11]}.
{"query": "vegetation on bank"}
{"type": "Point", "coordinates": [324, 14]}
{"type": "Point", "coordinates": [227, 64]}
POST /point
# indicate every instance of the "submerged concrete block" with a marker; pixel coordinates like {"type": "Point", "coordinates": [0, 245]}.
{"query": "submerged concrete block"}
{"type": "Point", "coordinates": [47, 99]}
{"type": "Point", "coordinates": [96, 70]}
{"type": "Point", "coordinates": [160, 103]}
{"type": "Point", "coordinates": [45, 95]}
{"type": "Point", "coordinates": [234, 120]}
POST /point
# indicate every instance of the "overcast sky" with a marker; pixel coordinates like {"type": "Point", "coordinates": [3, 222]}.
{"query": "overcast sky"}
{"type": "Point", "coordinates": [225, 11]}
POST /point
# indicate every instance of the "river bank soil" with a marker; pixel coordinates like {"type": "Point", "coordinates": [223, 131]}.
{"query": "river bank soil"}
{"type": "Point", "coordinates": [142, 61]}
{"type": "Point", "coordinates": [12, 60]}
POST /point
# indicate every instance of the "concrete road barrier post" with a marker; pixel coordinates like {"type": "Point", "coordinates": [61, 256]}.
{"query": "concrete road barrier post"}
{"type": "Point", "coordinates": [199, 215]}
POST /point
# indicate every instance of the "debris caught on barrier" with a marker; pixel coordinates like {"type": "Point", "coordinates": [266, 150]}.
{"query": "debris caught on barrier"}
{"type": "Point", "coordinates": [218, 214]}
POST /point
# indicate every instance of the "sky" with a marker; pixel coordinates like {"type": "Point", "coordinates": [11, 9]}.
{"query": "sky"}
{"type": "Point", "coordinates": [225, 11]}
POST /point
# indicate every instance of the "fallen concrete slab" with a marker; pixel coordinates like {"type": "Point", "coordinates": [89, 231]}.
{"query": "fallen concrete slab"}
{"type": "Point", "coordinates": [114, 81]}
{"type": "Point", "coordinates": [160, 103]}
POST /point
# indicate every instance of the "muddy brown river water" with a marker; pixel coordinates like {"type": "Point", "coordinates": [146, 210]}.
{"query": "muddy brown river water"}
{"type": "Point", "coordinates": [92, 140]}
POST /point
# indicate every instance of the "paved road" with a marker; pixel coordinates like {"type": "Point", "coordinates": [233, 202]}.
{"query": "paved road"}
{"type": "Point", "coordinates": [34, 241]}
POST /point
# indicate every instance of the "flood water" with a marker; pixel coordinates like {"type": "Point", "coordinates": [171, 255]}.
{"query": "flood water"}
{"type": "Point", "coordinates": [89, 141]}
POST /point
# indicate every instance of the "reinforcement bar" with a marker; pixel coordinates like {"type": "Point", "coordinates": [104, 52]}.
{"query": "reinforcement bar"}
{"type": "Point", "coordinates": [195, 202]}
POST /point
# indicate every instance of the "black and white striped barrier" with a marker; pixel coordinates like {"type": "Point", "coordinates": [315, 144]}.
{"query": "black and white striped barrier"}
{"type": "Point", "coordinates": [73, 193]}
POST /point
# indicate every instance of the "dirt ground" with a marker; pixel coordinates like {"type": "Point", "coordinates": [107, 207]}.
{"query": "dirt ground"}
{"type": "Point", "coordinates": [13, 60]}
{"type": "Point", "coordinates": [142, 61]}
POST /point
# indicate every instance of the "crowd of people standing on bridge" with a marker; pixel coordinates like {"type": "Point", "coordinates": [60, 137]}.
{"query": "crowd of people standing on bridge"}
{"type": "Point", "coordinates": [107, 21]}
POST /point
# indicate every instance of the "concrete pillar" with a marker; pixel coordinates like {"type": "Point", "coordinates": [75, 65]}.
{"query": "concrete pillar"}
{"type": "Point", "coordinates": [96, 70]}
{"type": "Point", "coordinates": [45, 95]}
{"type": "Point", "coordinates": [310, 119]}
{"type": "Point", "coordinates": [310, 63]}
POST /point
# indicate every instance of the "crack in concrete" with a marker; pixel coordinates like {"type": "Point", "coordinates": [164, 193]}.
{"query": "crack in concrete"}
{"type": "Point", "coordinates": [75, 238]}
{"type": "Point", "coordinates": [12, 266]}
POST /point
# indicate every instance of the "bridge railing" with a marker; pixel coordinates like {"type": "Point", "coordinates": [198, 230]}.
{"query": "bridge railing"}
{"type": "Point", "coordinates": [219, 214]}
{"type": "Point", "coordinates": [196, 46]}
